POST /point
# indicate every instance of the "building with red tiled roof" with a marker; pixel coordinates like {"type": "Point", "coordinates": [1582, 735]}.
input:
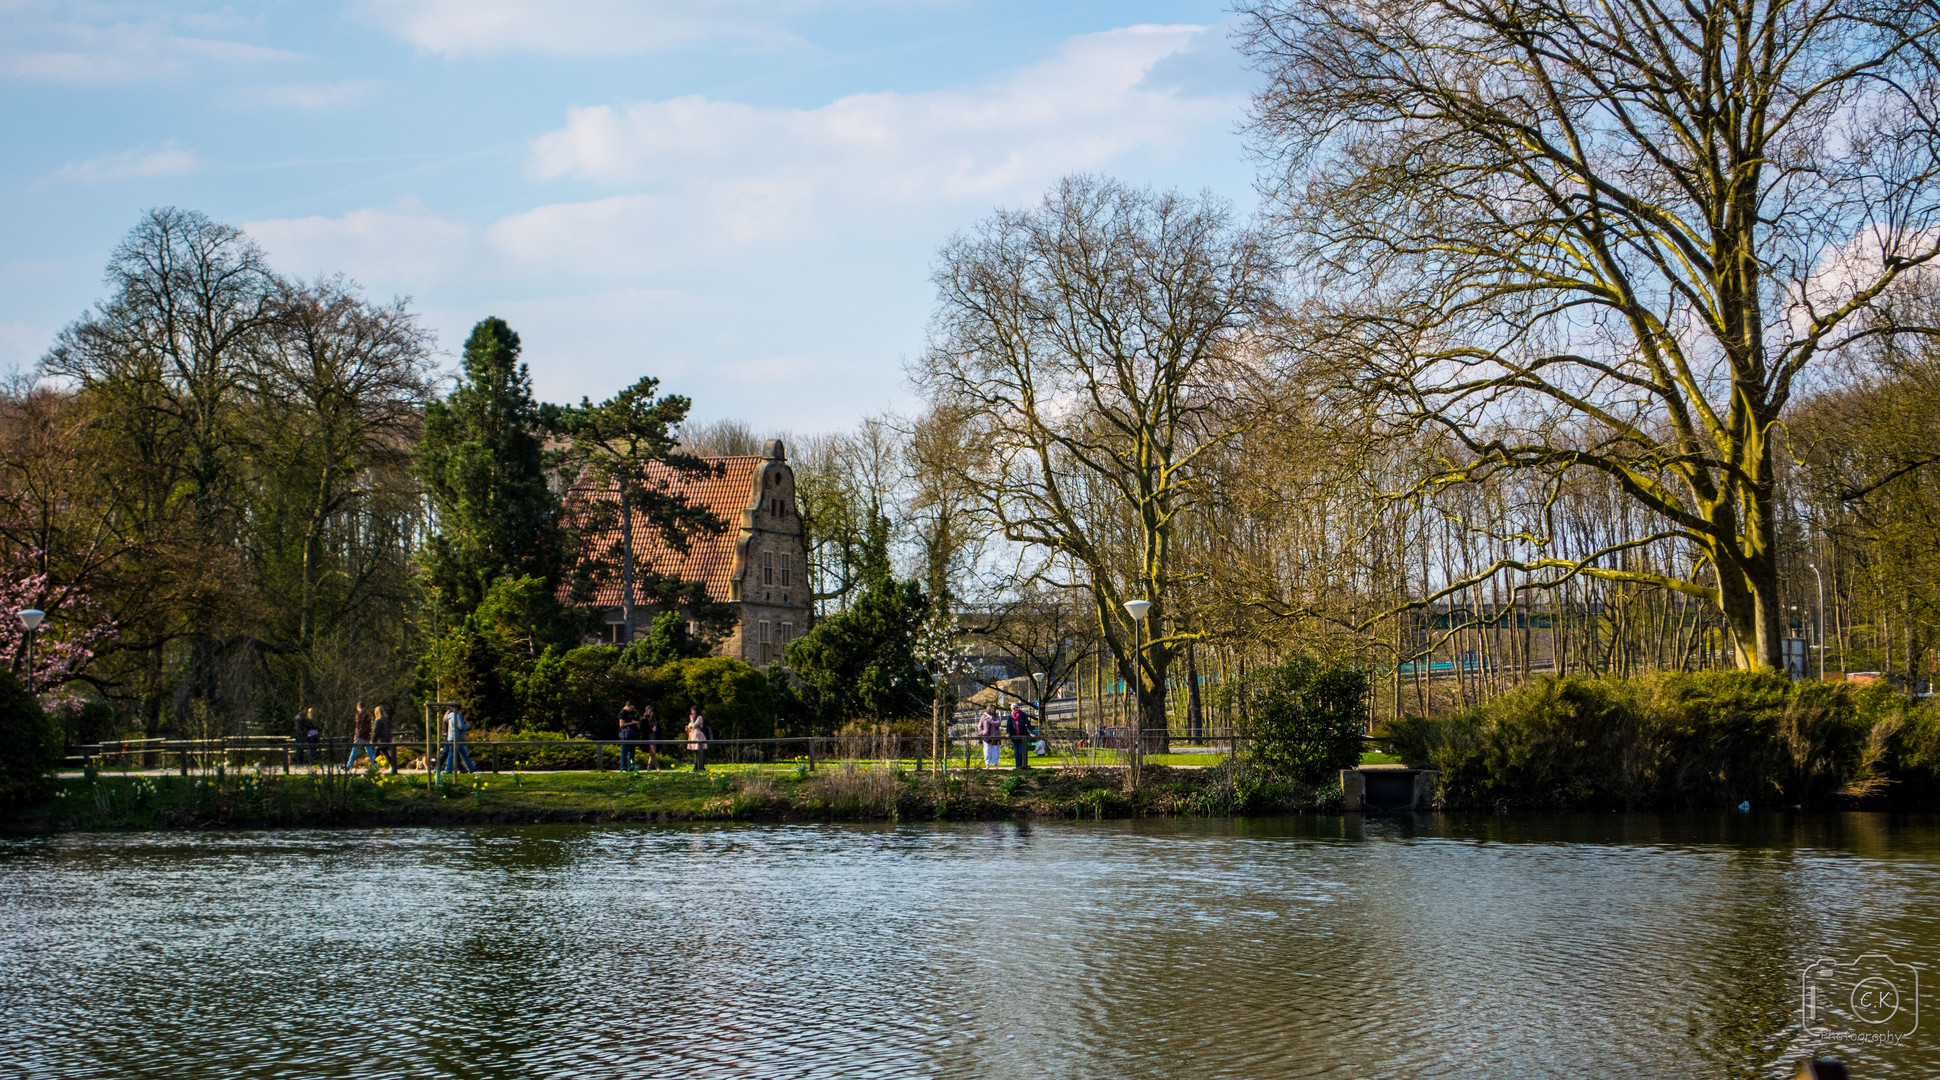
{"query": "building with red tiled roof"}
{"type": "Point", "coordinates": [757, 565]}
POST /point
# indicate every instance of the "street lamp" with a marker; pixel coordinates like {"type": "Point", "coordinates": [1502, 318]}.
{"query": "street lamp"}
{"type": "Point", "coordinates": [1138, 609]}
{"type": "Point", "coordinates": [30, 621]}
{"type": "Point", "coordinates": [1821, 577]}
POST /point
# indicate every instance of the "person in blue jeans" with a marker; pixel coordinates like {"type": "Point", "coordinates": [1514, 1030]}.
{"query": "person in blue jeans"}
{"type": "Point", "coordinates": [455, 751]}
{"type": "Point", "coordinates": [1018, 730]}
{"type": "Point", "coordinates": [629, 732]}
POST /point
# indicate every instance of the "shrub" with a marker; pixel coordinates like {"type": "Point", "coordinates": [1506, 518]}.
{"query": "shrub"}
{"type": "Point", "coordinates": [1304, 719]}
{"type": "Point", "coordinates": [30, 745]}
{"type": "Point", "coordinates": [851, 788]}
{"type": "Point", "coordinates": [733, 694]}
{"type": "Point", "coordinates": [1911, 747]}
{"type": "Point", "coordinates": [1677, 739]}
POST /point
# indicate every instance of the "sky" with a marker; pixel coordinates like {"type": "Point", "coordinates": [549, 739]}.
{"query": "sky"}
{"type": "Point", "coordinates": [743, 198]}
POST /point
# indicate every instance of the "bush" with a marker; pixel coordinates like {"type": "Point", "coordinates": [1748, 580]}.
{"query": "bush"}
{"type": "Point", "coordinates": [30, 745]}
{"type": "Point", "coordinates": [1304, 719]}
{"type": "Point", "coordinates": [733, 694]}
{"type": "Point", "coordinates": [1911, 745]}
{"type": "Point", "coordinates": [1677, 739]}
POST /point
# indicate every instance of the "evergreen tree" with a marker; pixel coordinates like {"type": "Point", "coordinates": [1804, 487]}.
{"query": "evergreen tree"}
{"type": "Point", "coordinates": [862, 662]}
{"type": "Point", "coordinates": [621, 442]}
{"type": "Point", "coordinates": [483, 462]}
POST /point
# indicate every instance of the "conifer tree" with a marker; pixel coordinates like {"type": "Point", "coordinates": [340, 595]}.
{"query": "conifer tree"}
{"type": "Point", "coordinates": [483, 462]}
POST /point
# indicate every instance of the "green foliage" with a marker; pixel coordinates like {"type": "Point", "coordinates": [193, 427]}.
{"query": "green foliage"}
{"type": "Point", "coordinates": [621, 443]}
{"type": "Point", "coordinates": [666, 640]}
{"type": "Point", "coordinates": [30, 744]}
{"type": "Point", "coordinates": [483, 463]}
{"type": "Point", "coordinates": [1678, 739]}
{"type": "Point", "coordinates": [582, 690]}
{"type": "Point", "coordinates": [1304, 718]}
{"type": "Point", "coordinates": [861, 663]}
{"type": "Point", "coordinates": [1910, 741]}
{"type": "Point", "coordinates": [735, 697]}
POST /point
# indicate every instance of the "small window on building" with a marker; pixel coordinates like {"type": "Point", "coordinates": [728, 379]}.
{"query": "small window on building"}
{"type": "Point", "coordinates": [761, 636]}
{"type": "Point", "coordinates": [768, 569]}
{"type": "Point", "coordinates": [786, 561]}
{"type": "Point", "coordinates": [615, 629]}
{"type": "Point", "coordinates": [787, 632]}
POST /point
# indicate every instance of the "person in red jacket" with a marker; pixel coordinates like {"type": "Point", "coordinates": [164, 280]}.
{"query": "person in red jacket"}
{"type": "Point", "coordinates": [360, 731]}
{"type": "Point", "coordinates": [1018, 730]}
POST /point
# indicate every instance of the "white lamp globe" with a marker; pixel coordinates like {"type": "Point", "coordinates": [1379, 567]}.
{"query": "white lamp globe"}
{"type": "Point", "coordinates": [31, 617]}
{"type": "Point", "coordinates": [1137, 609]}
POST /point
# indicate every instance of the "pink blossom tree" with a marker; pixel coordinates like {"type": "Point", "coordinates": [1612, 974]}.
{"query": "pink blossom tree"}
{"type": "Point", "coordinates": [66, 641]}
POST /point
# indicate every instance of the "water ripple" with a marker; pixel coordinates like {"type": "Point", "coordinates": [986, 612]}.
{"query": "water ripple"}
{"type": "Point", "coordinates": [1319, 947]}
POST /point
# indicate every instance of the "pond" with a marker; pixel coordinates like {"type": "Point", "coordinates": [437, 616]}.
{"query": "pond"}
{"type": "Point", "coordinates": [1559, 946]}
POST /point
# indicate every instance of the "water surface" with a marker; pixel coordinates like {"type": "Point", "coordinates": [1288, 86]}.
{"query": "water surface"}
{"type": "Point", "coordinates": [1608, 946]}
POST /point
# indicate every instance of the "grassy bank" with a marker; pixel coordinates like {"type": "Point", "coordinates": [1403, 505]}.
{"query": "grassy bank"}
{"type": "Point", "coordinates": [1682, 740]}
{"type": "Point", "coordinates": [835, 792]}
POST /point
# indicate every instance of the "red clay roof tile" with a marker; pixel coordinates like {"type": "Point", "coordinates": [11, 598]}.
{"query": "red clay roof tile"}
{"type": "Point", "coordinates": [709, 559]}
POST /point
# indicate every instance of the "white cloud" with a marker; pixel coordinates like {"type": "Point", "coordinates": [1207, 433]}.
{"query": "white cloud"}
{"type": "Point", "coordinates": [108, 50]}
{"type": "Point", "coordinates": [393, 250]}
{"type": "Point", "coordinates": [710, 173]}
{"type": "Point", "coordinates": [727, 236]}
{"type": "Point", "coordinates": [168, 159]}
{"type": "Point", "coordinates": [315, 97]}
{"type": "Point", "coordinates": [581, 27]}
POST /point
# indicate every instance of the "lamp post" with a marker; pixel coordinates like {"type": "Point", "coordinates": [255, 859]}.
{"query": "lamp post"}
{"type": "Point", "coordinates": [1821, 579]}
{"type": "Point", "coordinates": [30, 621]}
{"type": "Point", "coordinates": [1138, 609]}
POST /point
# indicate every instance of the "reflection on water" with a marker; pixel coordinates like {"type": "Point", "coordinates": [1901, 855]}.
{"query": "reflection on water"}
{"type": "Point", "coordinates": [1610, 946]}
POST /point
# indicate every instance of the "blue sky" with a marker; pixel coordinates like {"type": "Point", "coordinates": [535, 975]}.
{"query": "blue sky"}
{"type": "Point", "coordinates": [742, 197]}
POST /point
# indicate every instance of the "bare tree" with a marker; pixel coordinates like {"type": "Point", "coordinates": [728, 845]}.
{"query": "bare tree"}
{"type": "Point", "coordinates": [1606, 237]}
{"type": "Point", "coordinates": [1097, 350]}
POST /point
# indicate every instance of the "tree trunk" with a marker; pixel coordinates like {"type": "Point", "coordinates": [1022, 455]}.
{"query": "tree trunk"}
{"type": "Point", "coordinates": [1195, 716]}
{"type": "Point", "coordinates": [626, 568]}
{"type": "Point", "coordinates": [1748, 594]}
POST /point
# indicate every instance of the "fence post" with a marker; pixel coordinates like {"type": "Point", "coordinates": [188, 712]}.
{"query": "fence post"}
{"type": "Point", "coordinates": [185, 761]}
{"type": "Point", "coordinates": [599, 757]}
{"type": "Point", "coordinates": [811, 753]}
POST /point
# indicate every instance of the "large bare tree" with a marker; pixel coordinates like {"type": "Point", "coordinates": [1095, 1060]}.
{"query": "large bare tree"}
{"type": "Point", "coordinates": [1607, 236]}
{"type": "Point", "coordinates": [1096, 349]}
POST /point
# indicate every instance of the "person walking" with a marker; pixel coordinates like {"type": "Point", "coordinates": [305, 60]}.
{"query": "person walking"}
{"type": "Point", "coordinates": [360, 741]}
{"type": "Point", "coordinates": [381, 738]}
{"type": "Point", "coordinates": [991, 732]}
{"type": "Point", "coordinates": [697, 735]}
{"type": "Point", "coordinates": [650, 731]}
{"type": "Point", "coordinates": [301, 727]}
{"type": "Point", "coordinates": [629, 732]}
{"type": "Point", "coordinates": [312, 736]}
{"type": "Point", "coordinates": [455, 751]}
{"type": "Point", "coordinates": [1018, 730]}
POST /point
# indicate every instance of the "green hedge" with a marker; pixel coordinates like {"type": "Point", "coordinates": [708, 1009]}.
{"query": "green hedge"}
{"type": "Point", "coordinates": [1680, 740]}
{"type": "Point", "coordinates": [30, 745]}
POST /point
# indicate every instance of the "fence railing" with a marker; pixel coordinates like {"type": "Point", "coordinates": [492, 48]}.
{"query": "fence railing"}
{"type": "Point", "coordinates": [955, 748]}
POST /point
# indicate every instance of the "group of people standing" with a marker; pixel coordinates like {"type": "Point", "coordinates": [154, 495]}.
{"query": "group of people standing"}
{"type": "Point", "coordinates": [1016, 727]}
{"type": "Point", "coordinates": [638, 726]}
{"type": "Point", "coordinates": [371, 736]}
